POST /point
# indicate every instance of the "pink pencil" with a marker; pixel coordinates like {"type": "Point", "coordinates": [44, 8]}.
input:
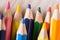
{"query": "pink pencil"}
{"type": "Point", "coordinates": [8, 22]}
{"type": "Point", "coordinates": [5, 12]}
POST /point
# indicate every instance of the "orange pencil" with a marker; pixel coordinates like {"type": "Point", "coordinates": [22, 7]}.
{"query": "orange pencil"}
{"type": "Point", "coordinates": [55, 24]}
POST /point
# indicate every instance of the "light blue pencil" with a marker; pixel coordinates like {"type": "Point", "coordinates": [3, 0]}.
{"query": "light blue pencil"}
{"type": "Point", "coordinates": [21, 32]}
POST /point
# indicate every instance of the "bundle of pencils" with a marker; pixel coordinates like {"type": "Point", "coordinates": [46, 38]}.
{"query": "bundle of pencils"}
{"type": "Point", "coordinates": [14, 27]}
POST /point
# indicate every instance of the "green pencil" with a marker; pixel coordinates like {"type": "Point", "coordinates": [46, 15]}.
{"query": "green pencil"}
{"type": "Point", "coordinates": [37, 24]}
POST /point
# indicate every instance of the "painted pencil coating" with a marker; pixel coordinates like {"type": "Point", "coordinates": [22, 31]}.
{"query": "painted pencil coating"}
{"type": "Point", "coordinates": [43, 33]}
{"type": "Point", "coordinates": [30, 31]}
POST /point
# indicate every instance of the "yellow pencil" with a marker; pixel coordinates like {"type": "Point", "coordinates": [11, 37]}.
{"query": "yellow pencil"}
{"type": "Point", "coordinates": [43, 33]}
{"type": "Point", "coordinates": [16, 22]}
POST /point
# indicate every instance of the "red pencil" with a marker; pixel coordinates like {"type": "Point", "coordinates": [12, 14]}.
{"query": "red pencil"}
{"type": "Point", "coordinates": [8, 22]}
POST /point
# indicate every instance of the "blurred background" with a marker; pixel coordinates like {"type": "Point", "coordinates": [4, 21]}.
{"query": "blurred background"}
{"type": "Point", "coordinates": [34, 3]}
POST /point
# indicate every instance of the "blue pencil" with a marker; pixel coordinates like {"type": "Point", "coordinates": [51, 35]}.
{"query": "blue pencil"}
{"type": "Point", "coordinates": [28, 16]}
{"type": "Point", "coordinates": [2, 28]}
{"type": "Point", "coordinates": [21, 32]}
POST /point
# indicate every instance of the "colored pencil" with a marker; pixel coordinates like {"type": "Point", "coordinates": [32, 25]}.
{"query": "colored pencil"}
{"type": "Point", "coordinates": [55, 24]}
{"type": "Point", "coordinates": [47, 19]}
{"type": "Point", "coordinates": [21, 32]}
{"type": "Point", "coordinates": [28, 16]}
{"type": "Point", "coordinates": [37, 24]}
{"type": "Point", "coordinates": [43, 33]}
{"type": "Point", "coordinates": [16, 22]}
{"type": "Point", "coordinates": [2, 28]}
{"type": "Point", "coordinates": [8, 22]}
{"type": "Point", "coordinates": [5, 12]}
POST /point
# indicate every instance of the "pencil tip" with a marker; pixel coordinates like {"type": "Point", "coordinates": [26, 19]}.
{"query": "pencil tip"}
{"type": "Point", "coordinates": [29, 6]}
{"type": "Point", "coordinates": [57, 6]}
{"type": "Point", "coordinates": [49, 9]}
{"type": "Point", "coordinates": [18, 8]}
{"type": "Point", "coordinates": [1, 16]}
{"type": "Point", "coordinates": [39, 9]}
{"type": "Point", "coordinates": [23, 21]}
{"type": "Point", "coordinates": [8, 5]}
